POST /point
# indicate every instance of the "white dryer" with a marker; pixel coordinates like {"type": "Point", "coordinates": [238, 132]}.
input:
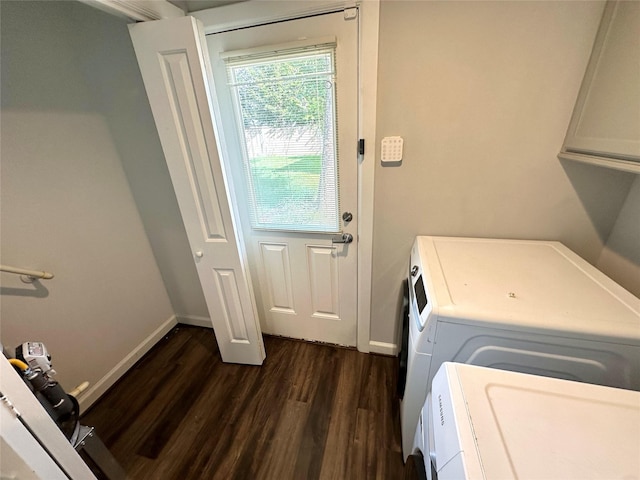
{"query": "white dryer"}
{"type": "Point", "coordinates": [492, 424]}
{"type": "Point", "coordinates": [526, 306]}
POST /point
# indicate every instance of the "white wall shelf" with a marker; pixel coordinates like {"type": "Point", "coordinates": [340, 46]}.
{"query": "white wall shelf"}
{"type": "Point", "coordinates": [614, 163]}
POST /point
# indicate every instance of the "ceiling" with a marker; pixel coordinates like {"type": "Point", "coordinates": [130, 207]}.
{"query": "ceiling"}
{"type": "Point", "coordinates": [195, 5]}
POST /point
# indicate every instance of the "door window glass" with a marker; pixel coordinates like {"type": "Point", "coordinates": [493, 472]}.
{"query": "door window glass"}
{"type": "Point", "coordinates": [285, 106]}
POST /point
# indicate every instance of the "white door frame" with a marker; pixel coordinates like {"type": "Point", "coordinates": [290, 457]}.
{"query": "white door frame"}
{"type": "Point", "coordinates": [251, 13]}
{"type": "Point", "coordinates": [137, 10]}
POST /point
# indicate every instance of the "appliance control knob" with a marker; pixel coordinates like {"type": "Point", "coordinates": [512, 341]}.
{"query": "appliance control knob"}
{"type": "Point", "coordinates": [414, 270]}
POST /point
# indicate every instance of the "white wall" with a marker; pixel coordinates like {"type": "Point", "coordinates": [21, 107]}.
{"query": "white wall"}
{"type": "Point", "coordinates": [620, 258]}
{"type": "Point", "coordinates": [66, 203]}
{"type": "Point", "coordinates": [482, 93]}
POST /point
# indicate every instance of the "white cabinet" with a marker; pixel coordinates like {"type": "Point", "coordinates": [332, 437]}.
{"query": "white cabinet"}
{"type": "Point", "coordinates": [605, 127]}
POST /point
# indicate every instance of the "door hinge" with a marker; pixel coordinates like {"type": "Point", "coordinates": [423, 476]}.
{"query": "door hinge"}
{"type": "Point", "coordinates": [361, 146]}
{"type": "Point", "coordinates": [350, 13]}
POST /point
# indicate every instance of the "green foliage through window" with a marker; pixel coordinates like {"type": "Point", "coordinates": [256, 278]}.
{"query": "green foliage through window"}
{"type": "Point", "coordinates": [284, 93]}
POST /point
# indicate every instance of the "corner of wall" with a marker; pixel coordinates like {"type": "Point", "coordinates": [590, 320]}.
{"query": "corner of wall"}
{"type": "Point", "coordinates": [90, 396]}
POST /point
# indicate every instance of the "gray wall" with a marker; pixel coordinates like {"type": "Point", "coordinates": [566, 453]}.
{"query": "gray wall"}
{"type": "Point", "coordinates": [620, 258]}
{"type": "Point", "coordinates": [482, 93]}
{"type": "Point", "coordinates": [111, 69]}
{"type": "Point", "coordinates": [74, 111]}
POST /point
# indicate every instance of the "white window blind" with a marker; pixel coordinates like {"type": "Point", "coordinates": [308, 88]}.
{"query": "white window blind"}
{"type": "Point", "coordinates": [285, 107]}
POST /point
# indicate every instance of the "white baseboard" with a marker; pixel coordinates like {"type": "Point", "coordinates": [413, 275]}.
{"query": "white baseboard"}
{"type": "Point", "coordinates": [88, 397]}
{"type": "Point", "coordinates": [194, 320]}
{"type": "Point", "coordinates": [383, 348]}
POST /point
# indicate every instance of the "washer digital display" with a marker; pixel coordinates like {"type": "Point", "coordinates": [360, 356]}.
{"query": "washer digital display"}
{"type": "Point", "coordinates": [421, 295]}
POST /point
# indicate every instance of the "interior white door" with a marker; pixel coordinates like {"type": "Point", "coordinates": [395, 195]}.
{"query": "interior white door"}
{"type": "Point", "coordinates": [306, 285]}
{"type": "Point", "coordinates": [173, 61]}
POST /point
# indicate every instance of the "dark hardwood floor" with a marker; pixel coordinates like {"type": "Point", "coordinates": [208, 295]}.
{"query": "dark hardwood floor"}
{"type": "Point", "coordinates": [310, 412]}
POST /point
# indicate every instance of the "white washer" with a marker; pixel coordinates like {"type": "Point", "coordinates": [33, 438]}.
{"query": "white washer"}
{"type": "Point", "coordinates": [493, 424]}
{"type": "Point", "coordinates": [526, 306]}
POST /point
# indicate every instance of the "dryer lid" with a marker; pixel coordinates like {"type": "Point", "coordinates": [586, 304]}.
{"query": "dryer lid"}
{"type": "Point", "coordinates": [514, 425]}
{"type": "Point", "coordinates": [527, 284]}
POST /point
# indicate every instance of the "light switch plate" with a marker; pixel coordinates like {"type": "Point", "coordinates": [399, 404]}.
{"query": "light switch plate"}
{"type": "Point", "coordinates": [391, 151]}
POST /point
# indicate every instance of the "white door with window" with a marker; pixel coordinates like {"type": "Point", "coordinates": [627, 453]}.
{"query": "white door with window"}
{"type": "Point", "coordinates": [286, 102]}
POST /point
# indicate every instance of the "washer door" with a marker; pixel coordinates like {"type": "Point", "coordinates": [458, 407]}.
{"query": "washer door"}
{"type": "Point", "coordinates": [404, 350]}
{"type": "Point", "coordinates": [415, 469]}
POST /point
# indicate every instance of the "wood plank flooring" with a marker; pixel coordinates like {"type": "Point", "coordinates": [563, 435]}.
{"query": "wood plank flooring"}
{"type": "Point", "coordinates": [310, 412]}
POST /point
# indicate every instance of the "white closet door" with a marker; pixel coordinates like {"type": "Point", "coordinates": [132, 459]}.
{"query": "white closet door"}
{"type": "Point", "coordinates": [174, 64]}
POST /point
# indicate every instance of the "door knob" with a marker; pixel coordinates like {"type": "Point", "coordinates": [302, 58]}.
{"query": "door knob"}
{"type": "Point", "coordinates": [344, 238]}
{"type": "Point", "coordinates": [199, 254]}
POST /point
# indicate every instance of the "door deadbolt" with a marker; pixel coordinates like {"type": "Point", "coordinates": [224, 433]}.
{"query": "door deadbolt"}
{"type": "Point", "coordinates": [347, 217]}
